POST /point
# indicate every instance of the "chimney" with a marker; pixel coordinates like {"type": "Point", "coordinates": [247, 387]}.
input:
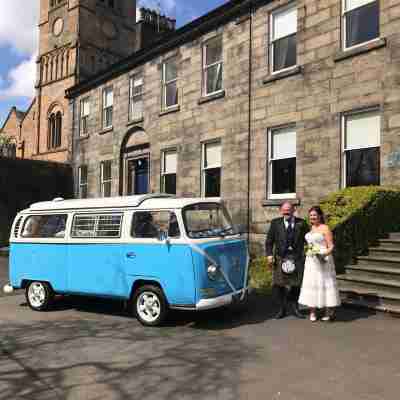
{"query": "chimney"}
{"type": "Point", "coordinates": [150, 26]}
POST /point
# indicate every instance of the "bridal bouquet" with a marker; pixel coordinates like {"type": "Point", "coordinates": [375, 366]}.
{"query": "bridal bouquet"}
{"type": "Point", "coordinates": [313, 250]}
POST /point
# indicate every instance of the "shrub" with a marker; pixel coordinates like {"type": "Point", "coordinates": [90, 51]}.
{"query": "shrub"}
{"type": "Point", "coordinates": [358, 217]}
{"type": "Point", "coordinates": [260, 274]}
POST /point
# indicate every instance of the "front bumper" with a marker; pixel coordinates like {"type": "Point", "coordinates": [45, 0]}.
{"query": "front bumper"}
{"type": "Point", "coordinates": [221, 301]}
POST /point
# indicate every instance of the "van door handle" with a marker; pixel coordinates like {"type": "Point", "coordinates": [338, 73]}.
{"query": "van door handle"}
{"type": "Point", "coordinates": [130, 255]}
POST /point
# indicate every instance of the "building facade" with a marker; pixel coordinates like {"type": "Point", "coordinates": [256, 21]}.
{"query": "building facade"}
{"type": "Point", "coordinates": [257, 102]}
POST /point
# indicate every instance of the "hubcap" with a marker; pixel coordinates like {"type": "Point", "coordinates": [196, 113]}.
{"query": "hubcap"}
{"type": "Point", "coordinates": [37, 294]}
{"type": "Point", "coordinates": [148, 306]}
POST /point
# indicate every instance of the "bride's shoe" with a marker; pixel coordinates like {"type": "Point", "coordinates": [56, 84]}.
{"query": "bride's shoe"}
{"type": "Point", "coordinates": [313, 317]}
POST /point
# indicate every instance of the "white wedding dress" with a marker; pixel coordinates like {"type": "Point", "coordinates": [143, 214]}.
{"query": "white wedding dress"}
{"type": "Point", "coordinates": [319, 288]}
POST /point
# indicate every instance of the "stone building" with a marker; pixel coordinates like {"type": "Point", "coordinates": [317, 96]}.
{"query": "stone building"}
{"type": "Point", "coordinates": [257, 102]}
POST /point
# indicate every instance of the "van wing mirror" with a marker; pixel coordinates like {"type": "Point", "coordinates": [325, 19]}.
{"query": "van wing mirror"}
{"type": "Point", "coordinates": [240, 229]}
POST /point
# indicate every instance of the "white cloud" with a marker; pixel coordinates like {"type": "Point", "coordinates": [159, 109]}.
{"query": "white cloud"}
{"type": "Point", "coordinates": [167, 6]}
{"type": "Point", "coordinates": [18, 25]}
{"type": "Point", "coordinates": [20, 80]}
{"type": "Point", "coordinates": [19, 32]}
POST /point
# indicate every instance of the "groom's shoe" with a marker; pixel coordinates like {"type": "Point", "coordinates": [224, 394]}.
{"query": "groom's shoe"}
{"type": "Point", "coordinates": [281, 313]}
{"type": "Point", "coordinates": [297, 312]}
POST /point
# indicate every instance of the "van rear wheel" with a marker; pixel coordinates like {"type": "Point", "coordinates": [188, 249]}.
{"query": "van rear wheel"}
{"type": "Point", "coordinates": [150, 305]}
{"type": "Point", "coordinates": [39, 295]}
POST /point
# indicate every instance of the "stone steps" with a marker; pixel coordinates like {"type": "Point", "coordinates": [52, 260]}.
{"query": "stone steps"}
{"type": "Point", "coordinates": [384, 252]}
{"type": "Point", "coordinates": [374, 280]}
{"type": "Point", "coordinates": [373, 271]}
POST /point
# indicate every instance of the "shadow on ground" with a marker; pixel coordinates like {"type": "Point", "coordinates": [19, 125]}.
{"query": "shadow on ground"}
{"type": "Point", "coordinates": [260, 308]}
{"type": "Point", "coordinates": [116, 358]}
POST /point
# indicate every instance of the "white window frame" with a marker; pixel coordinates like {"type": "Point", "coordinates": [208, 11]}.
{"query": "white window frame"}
{"type": "Point", "coordinates": [270, 195]}
{"type": "Point", "coordinates": [80, 184]}
{"type": "Point", "coordinates": [105, 181]}
{"type": "Point", "coordinates": [206, 66]}
{"type": "Point", "coordinates": [165, 83]}
{"type": "Point", "coordinates": [203, 165]}
{"type": "Point", "coordinates": [163, 173]}
{"type": "Point", "coordinates": [104, 108]}
{"type": "Point", "coordinates": [133, 97]}
{"type": "Point", "coordinates": [272, 40]}
{"type": "Point", "coordinates": [344, 137]}
{"type": "Point", "coordinates": [84, 118]}
{"type": "Point", "coordinates": [344, 28]}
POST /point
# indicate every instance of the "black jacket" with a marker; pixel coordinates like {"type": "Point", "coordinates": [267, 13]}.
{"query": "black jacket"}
{"type": "Point", "coordinates": [276, 243]}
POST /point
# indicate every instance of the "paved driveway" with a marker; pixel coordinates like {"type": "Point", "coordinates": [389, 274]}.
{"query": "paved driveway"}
{"type": "Point", "coordinates": [91, 349]}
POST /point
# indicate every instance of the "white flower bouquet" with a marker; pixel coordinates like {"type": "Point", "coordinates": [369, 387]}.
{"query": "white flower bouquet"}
{"type": "Point", "coordinates": [313, 250]}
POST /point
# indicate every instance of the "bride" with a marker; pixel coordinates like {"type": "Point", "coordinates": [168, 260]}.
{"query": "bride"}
{"type": "Point", "coordinates": [319, 289]}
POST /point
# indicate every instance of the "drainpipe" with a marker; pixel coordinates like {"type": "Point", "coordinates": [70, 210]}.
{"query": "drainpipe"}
{"type": "Point", "coordinates": [250, 115]}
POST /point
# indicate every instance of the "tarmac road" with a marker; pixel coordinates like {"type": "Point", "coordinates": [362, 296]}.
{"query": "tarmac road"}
{"type": "Point", "coordinates": [92, 349]}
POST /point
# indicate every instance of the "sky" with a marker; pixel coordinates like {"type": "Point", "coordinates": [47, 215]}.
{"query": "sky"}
{"type": "Point", "coordinates": [19, 44]}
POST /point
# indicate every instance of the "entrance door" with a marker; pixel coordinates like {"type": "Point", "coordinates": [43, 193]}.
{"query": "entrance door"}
{"type": "Point", "coordinates": [138, 176]}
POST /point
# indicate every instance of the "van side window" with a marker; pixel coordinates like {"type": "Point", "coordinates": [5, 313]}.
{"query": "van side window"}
{"type": "Point", "coordinates": [45, 226]}
{"type": "Point", "coordinates": [148, 224]}
{"type": "Point", "coordinates": [97, 226]}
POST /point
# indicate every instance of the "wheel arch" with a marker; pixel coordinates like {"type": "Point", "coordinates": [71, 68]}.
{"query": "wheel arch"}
{"type": "Point", "coordinates": [138, 283]}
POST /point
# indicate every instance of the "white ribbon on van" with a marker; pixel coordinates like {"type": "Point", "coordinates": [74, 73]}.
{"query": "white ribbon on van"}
{"type": "Point", "coordinates": [200, 251]}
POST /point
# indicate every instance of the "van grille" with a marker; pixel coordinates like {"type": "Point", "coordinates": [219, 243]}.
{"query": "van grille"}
{"type": "Point", "coordinates": [17, 226]}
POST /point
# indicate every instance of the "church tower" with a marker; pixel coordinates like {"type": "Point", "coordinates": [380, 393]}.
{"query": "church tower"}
{"type": "Point", "coordinates": [77, 38]}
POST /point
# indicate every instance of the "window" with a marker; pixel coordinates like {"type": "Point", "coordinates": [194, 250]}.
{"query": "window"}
{"type": "Point", "coordinates": [282, 163]}
{"type": "Point", "coordinates": [106, 178]}
{"type": "Point", "coordinates": [283, 51]}
{"type": "Point", "coordinates": [45, 226]}
{"type": "Point", "coordinates": [212, 66]}
{"type": "Point", "coordinates": [168, 171]}
{"type": "Point", "coordinates": [54, 130]}
{"type": "Point", "coordinates": [85, 112]}
{"type": "Point", "coordinates": [207, 220]}
{"type": "Point", "coordinates": [361, 151]}
{"type": "Point", "coordinates": [83, 181]}
{"type": "Point", "coordinates": [149, 224]}
{"type": "Point", "coordinates": [108, 102]}
{"type": "Point", "coordinates": [170, 83]}
{"type": "Point", "coordinates": [211, 169]}
{"type": "Point", "coordinates": [97, 226]}
{"type": "Point", "coordinates": [360, 22]}
{"type": "Point", "coordinates": [136, 98]}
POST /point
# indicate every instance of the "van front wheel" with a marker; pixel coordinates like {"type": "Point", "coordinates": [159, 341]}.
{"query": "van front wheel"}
{"type": "Point", "coordinates": [39, 295]}
{"type": "Point", "coordinates": [150, 306]}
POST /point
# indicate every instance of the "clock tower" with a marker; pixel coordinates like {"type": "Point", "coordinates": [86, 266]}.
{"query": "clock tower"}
{"type": "Point", "coordinates": [77, 39]}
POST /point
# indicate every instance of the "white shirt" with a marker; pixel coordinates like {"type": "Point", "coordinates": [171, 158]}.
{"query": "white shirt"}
{"type": "Point", "coordinates": [286, 221]}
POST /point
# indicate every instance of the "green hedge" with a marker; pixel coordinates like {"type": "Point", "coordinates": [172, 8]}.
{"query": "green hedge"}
{"type": "Point", "coordinates": [358, 217]}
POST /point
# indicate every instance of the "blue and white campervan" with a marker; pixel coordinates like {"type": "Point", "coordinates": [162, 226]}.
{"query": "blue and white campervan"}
{"type": "Point", "coordinates": [156, 251]}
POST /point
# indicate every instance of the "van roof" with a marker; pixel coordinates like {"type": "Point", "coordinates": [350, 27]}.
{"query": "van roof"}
{"type": "Point", "coordinates": [149, 201]}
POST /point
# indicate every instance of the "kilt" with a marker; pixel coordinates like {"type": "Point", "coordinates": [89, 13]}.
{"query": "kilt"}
{"type": "Point", "coordinates": [279, 278]}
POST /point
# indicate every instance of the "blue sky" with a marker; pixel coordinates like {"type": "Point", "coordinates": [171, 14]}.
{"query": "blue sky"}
{"type": "Point", "coordinates": [18, 44]}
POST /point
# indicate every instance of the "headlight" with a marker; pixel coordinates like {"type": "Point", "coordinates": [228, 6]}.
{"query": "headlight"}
{"type": "Point", "coordinates": [212, 272]}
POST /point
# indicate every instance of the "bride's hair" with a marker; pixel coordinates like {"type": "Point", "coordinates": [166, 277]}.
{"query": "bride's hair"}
{"type": "Point", "coordinates": [320, 213]}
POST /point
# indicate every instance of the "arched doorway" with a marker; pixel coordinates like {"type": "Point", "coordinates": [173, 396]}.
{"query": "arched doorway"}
{"type": "Point", "coordinates": [135, 163]}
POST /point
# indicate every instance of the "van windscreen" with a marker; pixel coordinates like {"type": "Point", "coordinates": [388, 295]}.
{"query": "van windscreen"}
{"type": "Point", "coordinates": [207, 220]}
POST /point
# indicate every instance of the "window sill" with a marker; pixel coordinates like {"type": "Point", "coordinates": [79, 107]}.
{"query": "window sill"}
{"type": "Point", "coordinates": [284, 74]}
{"type": "Point", "coordinates": [211, 97]}
{"type": "Point", "coordinates": [106, 130]}
{"type": "Point", "coordinates": [135, 121]}
{"type": "Point", "coordinates": [278, 202]}
{"type": "Point", "coordinates": [52, 151]}
{"type": "Point", "coordinates": [344, 54]}
{"type": "Point", "coordinates": [170, 110]}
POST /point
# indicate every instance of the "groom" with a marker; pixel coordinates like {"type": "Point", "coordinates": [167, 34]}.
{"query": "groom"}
{"type": "Point", "coordinates": [285, 252]}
